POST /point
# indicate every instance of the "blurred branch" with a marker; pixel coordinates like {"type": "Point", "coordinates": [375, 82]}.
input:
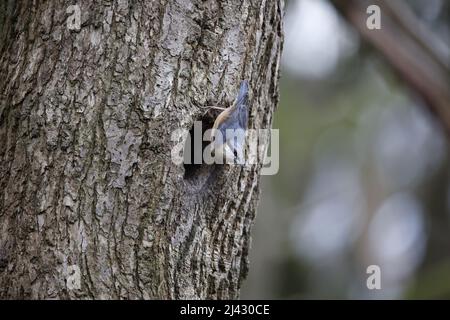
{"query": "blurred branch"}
{"type": "Point", "coordinates": [409, 47]}
{"type": "Point", "coordinates": [423, 36]}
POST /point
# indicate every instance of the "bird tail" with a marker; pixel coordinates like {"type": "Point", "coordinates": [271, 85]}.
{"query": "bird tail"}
{"type": "Point", "coordinates": [243, 93]}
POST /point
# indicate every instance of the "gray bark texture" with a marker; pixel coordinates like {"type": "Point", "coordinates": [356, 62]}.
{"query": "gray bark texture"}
{"type": "Point", "coordinates": [86, 117]}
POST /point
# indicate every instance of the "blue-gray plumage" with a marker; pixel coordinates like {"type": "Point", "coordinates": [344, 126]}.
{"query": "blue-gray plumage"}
{"type": "Point", "coordinates": [234, 118]}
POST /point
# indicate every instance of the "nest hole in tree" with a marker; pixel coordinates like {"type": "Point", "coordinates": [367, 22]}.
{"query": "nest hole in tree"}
{"type": "Point", "coordinates": [195, 172]}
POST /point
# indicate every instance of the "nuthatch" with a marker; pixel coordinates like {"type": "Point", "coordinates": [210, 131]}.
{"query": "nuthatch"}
{"type": "Point", "coordinates": [232, 124]}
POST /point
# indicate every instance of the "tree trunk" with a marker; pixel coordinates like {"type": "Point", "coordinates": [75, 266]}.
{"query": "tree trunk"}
{"type": "Point", "coordinates": [87, 183]}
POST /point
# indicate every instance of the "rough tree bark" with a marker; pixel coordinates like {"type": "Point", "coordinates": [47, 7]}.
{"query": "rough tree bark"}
{"type": "Point", "coordinates": [86, 116]}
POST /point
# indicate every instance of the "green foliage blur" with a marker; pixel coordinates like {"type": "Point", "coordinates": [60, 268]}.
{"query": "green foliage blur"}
{"type": "Point", "coordinates": [364, 171]}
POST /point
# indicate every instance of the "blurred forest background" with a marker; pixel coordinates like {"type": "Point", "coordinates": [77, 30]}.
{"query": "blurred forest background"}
{"type": "Point", "coordinates": [364, 170]}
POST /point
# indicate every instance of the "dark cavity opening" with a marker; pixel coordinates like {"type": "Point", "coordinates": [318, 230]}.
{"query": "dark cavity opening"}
{"type": "Point", "coordinates": [195, 170]}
